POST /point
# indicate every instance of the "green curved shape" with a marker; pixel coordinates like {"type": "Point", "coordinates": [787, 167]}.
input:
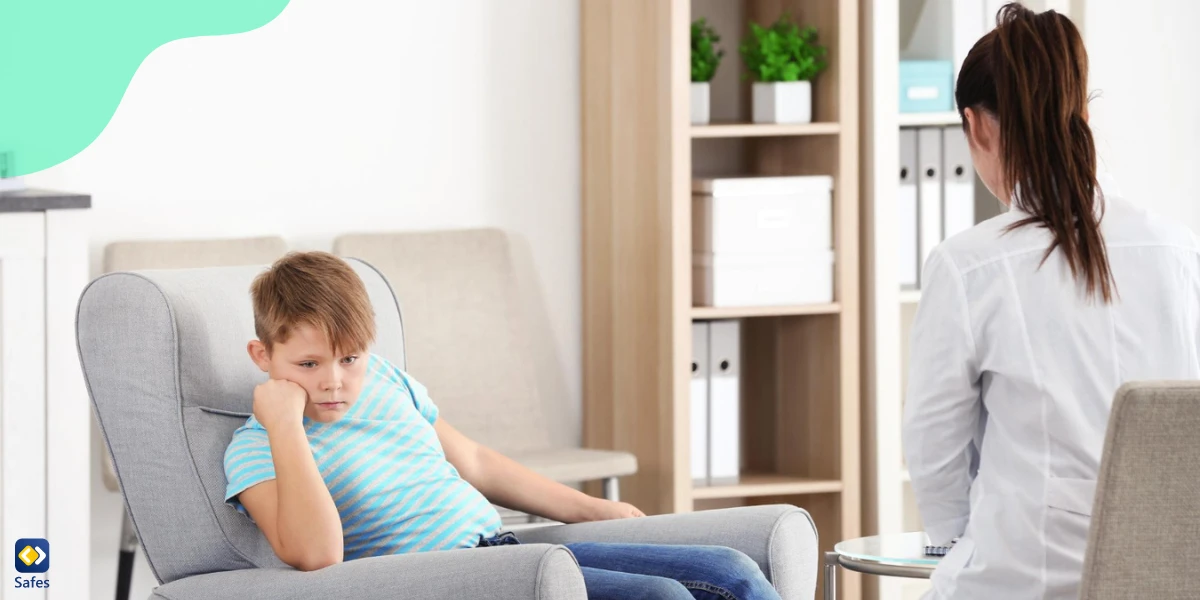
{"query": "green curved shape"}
{"type": "Point", "coordinates": [65, 64]}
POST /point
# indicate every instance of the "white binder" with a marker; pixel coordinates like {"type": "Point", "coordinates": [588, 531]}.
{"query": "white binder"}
{"type": "Point", "coordinates": [929, 188]}
{"type": "Point", "coordinates": [958, 193]}
{"type": "Point", "coordinates": [909, 253]}
{"type": "Point", "coordinates": [724, 402]}
{"type": "Point", "coordinates": [971, 19]}
{"type": "Point", "coordinates": [699, 404]}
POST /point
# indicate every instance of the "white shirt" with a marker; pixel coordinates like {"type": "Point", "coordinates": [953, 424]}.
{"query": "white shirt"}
{"type": "Point", "coordinates": [1012, 378]}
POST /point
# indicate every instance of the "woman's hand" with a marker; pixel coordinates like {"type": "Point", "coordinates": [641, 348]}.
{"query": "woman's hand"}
{"type": "Point", "coordinates": [605, 510]}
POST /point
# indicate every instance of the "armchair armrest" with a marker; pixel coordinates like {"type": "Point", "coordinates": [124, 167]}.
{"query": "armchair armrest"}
{"type": "Point", "coordinates": [505, 572]}
{"type": "Point", "coordinates": [782, 539]}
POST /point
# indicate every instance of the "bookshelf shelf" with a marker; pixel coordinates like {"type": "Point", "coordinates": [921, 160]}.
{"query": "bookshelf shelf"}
{"type": "Point", "coordinates": [728, 130]}
{"type": "Point", "coordinates": [937, 119]}
{"type": "Point", "coordinates": [710, 312]}
{"type": "Point", "coordinates": [751, 485]}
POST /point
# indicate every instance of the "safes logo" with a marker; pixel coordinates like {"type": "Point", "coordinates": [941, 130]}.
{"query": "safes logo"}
{"type": "Point", "coordinates": [32, 556]}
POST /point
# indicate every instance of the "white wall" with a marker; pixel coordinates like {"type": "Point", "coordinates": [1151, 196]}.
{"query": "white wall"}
{"type": "Point", "coordinates": [1144, 61]}
{"type": "Point", "coordinates": [355, 116]}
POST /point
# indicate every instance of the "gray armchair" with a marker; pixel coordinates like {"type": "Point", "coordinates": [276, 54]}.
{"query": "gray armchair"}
{"type": "Point", "coordinates": [164, 360]}
{"type": "Point", "coordinates": [1142, 539]}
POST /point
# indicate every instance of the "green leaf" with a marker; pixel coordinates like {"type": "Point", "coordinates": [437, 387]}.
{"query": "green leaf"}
{"type": "Point", "coordinates": [706, 57]}
{"type": "Point", "coordinates": [784, 51]}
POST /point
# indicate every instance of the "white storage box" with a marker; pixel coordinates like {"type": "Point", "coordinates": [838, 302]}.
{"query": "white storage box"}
{"type": "Point", "coordinates": [762, 215]}
{"type": "Point", "coordinates": [762, 280]}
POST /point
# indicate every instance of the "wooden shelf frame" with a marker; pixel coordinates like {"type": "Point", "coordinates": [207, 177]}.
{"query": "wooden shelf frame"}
{"type": "Point", "coordinates": [801, 401]}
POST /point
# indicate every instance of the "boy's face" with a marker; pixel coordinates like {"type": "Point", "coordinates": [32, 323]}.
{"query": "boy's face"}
{"type": "Point", "coordinates": [332, 383]}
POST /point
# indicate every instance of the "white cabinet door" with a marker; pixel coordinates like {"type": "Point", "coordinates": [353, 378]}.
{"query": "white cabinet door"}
{"type": "Point", "coordinates": [69, 457]}
{"type": "Point", "coordinates": [22, 390]}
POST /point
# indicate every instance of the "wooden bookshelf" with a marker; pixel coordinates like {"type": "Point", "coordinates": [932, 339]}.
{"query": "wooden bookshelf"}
{"type": "Point", "coordinates": [801, 376]}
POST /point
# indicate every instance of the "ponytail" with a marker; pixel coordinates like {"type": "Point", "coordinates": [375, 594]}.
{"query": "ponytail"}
{"type": "Point", "coordinates": [1031, 73]}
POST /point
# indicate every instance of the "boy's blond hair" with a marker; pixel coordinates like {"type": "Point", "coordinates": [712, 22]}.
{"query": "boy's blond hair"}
{"type": "Point", "coordinates": [316, 289]}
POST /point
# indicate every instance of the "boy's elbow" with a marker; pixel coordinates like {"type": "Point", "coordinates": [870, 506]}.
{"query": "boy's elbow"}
{"type": "Point", "coordinates": [314, 561]}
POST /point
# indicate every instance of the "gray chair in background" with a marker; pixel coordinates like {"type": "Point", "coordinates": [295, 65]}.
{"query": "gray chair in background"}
{"type": "Point", "coordinates": [163, 357]}
{"type": "Point", "coordinates": [1144, 540]}
{"type": "Point", "coordinates": [470, 345]}
{"type": "Point", "coordinates": [174, 254]}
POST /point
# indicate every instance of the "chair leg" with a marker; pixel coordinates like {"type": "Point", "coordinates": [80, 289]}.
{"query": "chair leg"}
{"type": "Point", "coordinates": [124, 574]}
{"type": "Point", "coordinates": [831, 564]}
{"type": "Point", "coordinates": [611, 489]}
{"type": "Point", "coordinates": [129, 544]}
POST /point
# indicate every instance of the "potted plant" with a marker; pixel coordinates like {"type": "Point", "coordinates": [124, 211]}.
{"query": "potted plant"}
{"type": "Point", "coordinates": [705, 59]}
{"type": "Point", "coordinates": [784, 58]}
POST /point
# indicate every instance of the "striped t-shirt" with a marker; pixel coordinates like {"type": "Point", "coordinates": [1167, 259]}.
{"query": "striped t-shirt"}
{"type": "Point", "coordinates": [384, 467]}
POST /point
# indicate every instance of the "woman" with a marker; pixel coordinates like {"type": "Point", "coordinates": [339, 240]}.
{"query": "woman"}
{"type": "Point", "coordinates": [1029, 323]}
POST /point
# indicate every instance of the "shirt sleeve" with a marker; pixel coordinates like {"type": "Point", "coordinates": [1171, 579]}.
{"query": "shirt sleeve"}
{"type": "Point", "coordinates": [418, 393]}
{"type": "Point", "coordinates": [421, 399]}
{"type": "Point", "coordinates": [247, 462]}
{"type": "Point", "coordinates": [943, 406]}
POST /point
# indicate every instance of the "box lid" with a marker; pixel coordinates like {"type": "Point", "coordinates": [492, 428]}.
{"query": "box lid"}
{"type": "Point", "coordinates": [763, 185]}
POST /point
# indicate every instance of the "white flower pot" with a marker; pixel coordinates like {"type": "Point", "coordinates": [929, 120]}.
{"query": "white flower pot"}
{"type": "Point", "coordinates": [700, 108]}
{"type": "Point", "coordinates": [783, 102]}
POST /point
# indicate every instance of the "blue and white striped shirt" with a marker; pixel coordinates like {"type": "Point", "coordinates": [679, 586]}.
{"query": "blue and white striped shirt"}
{"type": "Point", "coordinates": [384, 467]}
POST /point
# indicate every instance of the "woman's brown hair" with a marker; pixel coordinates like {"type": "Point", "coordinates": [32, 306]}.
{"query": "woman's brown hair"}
{"type": "Point", "coordinates": [1031, 73]}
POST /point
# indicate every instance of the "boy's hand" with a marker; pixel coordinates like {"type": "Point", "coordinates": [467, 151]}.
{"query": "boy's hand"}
{"type": "Point", "coordinates": [604, 510]}
{"type": "Point", "coordinates": [279, 402]}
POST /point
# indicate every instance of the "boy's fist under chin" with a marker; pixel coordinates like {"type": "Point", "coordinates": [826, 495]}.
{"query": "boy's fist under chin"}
{"type": "Point", "coordinates": [279, 402]}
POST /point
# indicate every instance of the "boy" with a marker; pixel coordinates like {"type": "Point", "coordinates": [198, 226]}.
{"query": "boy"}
{"type": "Point", "coordinates": [345, 456]}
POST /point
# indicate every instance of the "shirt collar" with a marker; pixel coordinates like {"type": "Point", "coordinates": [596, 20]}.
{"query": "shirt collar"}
{"type": "Point", "coordinates": [1106, 187]}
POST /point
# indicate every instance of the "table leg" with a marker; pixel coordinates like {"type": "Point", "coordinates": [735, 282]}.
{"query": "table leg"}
{"type": "Point", "coordinates": [831, 563]}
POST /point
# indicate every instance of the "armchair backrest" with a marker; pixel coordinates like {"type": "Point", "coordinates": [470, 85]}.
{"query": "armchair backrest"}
{"type": "Point", "coordinates": [469, 338]}
{"type": "Point", "coordinates": [1142, 541]}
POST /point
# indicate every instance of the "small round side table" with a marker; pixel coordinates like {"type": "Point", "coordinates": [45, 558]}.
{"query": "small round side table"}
{"type": "Point", "coordinates": [895, 555]}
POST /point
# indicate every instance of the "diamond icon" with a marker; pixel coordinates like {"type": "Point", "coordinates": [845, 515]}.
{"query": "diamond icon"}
{"type": "Point", "coordinates": [32, 555]}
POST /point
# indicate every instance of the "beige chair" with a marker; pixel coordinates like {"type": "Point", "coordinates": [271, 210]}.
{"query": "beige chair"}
{"type": "Point", "coordinates": [181, 254]}
{"type": "Point", "coordinates": [470, 345]}
{"type": "Point", "coordinates": [1144, 540]}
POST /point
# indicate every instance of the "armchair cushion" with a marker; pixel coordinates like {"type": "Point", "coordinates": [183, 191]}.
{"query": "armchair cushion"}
{"type": "Point", "coordinates": [782, 539]}
{"type": "Point", "coordinates": [536, 571]}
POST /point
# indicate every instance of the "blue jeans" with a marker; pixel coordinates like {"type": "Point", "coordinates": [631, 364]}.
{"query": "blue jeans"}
{"type": "Point", "coordinates": [664, 572]}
